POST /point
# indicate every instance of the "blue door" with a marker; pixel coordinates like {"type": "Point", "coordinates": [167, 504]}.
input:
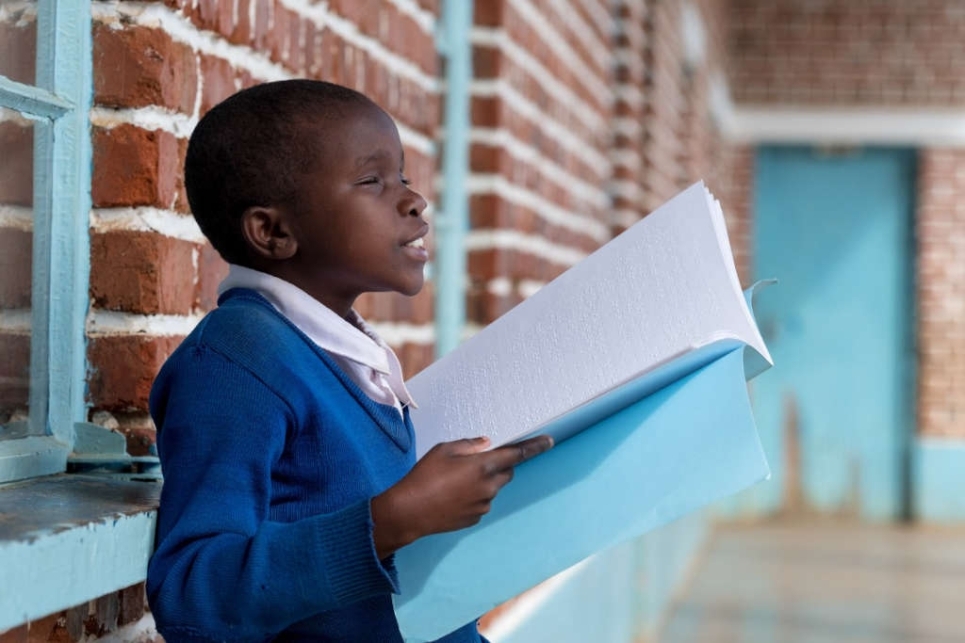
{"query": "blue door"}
{"type": "Point", "coordinates": [835, 413]}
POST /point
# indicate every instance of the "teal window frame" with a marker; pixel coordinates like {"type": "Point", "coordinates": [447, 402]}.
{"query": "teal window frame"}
{"type": "Point", "coordinates": [59, 105]}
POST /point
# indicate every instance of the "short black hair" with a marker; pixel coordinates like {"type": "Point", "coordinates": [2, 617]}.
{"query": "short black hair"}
{"type": "Point", "coordinates": [251, 149]}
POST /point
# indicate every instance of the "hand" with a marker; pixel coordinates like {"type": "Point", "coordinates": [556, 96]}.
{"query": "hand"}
{"type": "Point", "coordinates": [450, 488]}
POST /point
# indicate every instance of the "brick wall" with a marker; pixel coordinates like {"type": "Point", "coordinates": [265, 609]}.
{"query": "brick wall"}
{"type": "Point", "coordinates": [940, 232]}
{"type": "Point", "coordinates": [884, 54]}
{"type": "Point", "coordinates": [541, 101]}
{"type": "Point", "coordinates": [16, 225]}
{"type": "Point", "coordinates": [158, 66]}
{"type": "Point", "coordinates": [862, 52]}
{"type": "Point", "coordinates": [17, 53]}
{"type": "Point", "coordinates": [584, 118]}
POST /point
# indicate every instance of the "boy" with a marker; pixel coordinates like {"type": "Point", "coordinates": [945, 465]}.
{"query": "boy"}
{"type": "Point", "coordinates": [283, 425]}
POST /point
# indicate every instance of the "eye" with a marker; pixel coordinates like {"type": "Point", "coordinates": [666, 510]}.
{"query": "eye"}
{"type": "Point", "coordinates": [370, 180]}
{"type": "Point", "coordinates": [405, 180]}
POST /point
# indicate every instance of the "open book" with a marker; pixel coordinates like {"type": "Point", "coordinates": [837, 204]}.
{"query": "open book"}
{"type": "Point", "coordinates": [652, 305]}
{"type": "Point", "coordinates": [636, 361]}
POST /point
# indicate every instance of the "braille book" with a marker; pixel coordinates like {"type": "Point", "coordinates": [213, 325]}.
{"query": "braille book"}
{"type": "Point", "coordinates": [635, 360]}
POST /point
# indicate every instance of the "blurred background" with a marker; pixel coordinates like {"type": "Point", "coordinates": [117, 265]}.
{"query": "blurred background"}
{"type": "Point", "coordinates": [833, 133]}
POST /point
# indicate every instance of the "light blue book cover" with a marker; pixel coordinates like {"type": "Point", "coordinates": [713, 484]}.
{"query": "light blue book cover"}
{"type": "Point", "coordinates": [634, 360]}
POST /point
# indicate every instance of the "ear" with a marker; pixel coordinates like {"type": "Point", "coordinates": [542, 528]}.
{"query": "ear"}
{"type": "Point", "coordinates": [269, 233]}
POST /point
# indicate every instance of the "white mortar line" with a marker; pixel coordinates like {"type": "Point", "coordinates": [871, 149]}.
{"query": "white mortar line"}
{"type": "Point", "coordinates": [629, 127]}
{"type": "Point", "coordinates": [564, 95]}
{"type": "Point", "coordinates": [8, 115]}
{"type": "Point", "coordinates": [563, 135]}
{"type": "Point", "coordinates": [260, 66]}
{"type": "Point", "coordinates": [626, 189]}
{"type": "Point", "coordinates": [423, 17]}
{"type": "Point", "coordinates": [470, 329]}
{"type": "Point", "coordinates": [17, 217]}
{"type": "Point", "coordinates": [540, 206]}
{"type": "Point", "coordinates": [625, 218]}
{"type": "Point", "coordinates": [323, 17]}
{"type": "Point", "coordinates": [520, 151]}
{"type": "Point", "coordinates": [182, 30]}
{"type": "Point", "coordinates": [108, 323]}
{"type": "Point", "coordinates": [26, 8]}
{"type": "Point", "coordinates": [149, 118]}
{"type": "Point", "coordinates": [504, 286]}
{"type": "Point", "coordinates": [629, 158]}
{"type": "Point", "coordinates": [630, 94]}
{"type": "Point", "coordinates": [558, 45]}
{"type": "Point", "coordinates": [601, 16]}
{"type": "Point", "coordinates": [526, 243]}
{"type": "Point", "coordinates": [15, 321]}
{"type": "Point", "coordinates": [398, 334]}
{"type": "Point", "coordinates": [529, 287]}
{"type": "Point", "coordinates": [181, 125]}
{"type": "Point", "coordinates": [416, 140]}
{"type": "Point", "coordinates": [629, 58]}
{"type": "Point", "coordinates": [143, 629]}
{"type": "Point", "coordinates": [598, 48]}
{"type": "Point", "coordinates": [147, 219]}
{"type": "Point", "coordinates": [500, 286]}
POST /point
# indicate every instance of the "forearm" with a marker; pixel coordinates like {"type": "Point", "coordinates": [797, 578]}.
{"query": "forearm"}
{"type": "Point", "coordinates": [256, 586]}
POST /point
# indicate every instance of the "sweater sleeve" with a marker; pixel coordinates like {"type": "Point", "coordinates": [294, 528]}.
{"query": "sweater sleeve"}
{"type": "Point", "coordinates": [221, 569]}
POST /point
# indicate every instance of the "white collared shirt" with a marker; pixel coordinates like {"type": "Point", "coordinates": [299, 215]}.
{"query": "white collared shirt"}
{"type": "Point", "coordinates": [354, 346]}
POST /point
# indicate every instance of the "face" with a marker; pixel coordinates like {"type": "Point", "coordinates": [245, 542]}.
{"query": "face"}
{"type": "Point", "coordinates": [358, 225]}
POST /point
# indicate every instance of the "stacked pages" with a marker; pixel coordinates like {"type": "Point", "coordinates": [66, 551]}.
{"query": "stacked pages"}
{"type": "Point", "coordinates": [634, 361]}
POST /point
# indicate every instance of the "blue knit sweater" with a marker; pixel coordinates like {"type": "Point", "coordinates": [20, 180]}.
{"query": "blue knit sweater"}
{"type": "Point", "coordinates": [271, 455]}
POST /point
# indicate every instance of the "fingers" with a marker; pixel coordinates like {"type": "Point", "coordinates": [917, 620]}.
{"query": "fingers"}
{"type": "Point", "coordinates": [468, 446]}
{"type": "Point", "coordinates": [509, 456]}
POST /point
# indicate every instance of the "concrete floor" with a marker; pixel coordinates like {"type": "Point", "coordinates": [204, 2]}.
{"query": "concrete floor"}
{"type": "Point", "coordinates": [823, 583]}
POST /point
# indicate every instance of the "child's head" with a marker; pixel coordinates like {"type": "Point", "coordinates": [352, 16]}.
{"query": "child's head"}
{"type": "Point", "coordinates": [304, 179]}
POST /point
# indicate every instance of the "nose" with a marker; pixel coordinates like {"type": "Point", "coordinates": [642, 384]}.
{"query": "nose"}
{"type": "Point", "coordinates": [412, 203]}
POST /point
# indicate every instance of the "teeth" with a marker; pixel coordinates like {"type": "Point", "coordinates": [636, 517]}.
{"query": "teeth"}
{"type": "Point", "coordinates": [418, 243]}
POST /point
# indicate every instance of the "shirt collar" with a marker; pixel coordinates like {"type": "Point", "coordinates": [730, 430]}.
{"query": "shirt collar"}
{"type": "Point", "coordinates": [350, 338]}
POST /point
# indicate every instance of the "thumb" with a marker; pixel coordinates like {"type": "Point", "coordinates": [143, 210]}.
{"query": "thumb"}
{"type": "Point", "coordinates": [469, 446]}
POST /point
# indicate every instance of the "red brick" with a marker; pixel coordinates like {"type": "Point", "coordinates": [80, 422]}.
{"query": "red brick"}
{"type": "Point", "coordinates": [123, 369]}
{"type": "Point", "coordinates": [212, 269]}
{"type": "Point", "coordinates": [484, 111]}
{"type": "Point", "coordinates": [141, 66]}
{"type": "Point", "coordinates": [133, 166]}
{"type": "Point", "coordinates": [489, 14]}
{"type": "Point", "coordinates": [142, 272]}
{"type": "Point", "coordinates": [382, 306]}
{"type": "Point", "coordinates": [364, 13]}
{"type": "Point", "coordinates": [16, 163]}
{"type": "Point", "coordinates": [423, 306]}
{"type": "Point", "coordinates": [18, 51]}
{"type": "Point", "coordinates": [207, 14]}
{"type": "Point", "coordinates": [241, 31]}
{"type": "Point", "coordinates": [15, 264]}
{"type": "Point", "coordinates": [14, 372]}
{"type": "Point", "coordinates": [414, 358]}
{"type": "Point", "coordinates": [218, 81]}
{"type": "Point", "coordinates": [485, 62]}
{"type": "Point", "coordinates": [133, 604]}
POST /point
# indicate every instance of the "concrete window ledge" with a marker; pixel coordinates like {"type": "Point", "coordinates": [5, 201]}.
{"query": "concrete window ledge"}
{"type": "Point", "coordinates": [71, 538]}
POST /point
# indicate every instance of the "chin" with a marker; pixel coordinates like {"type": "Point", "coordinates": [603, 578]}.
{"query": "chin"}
{"type": "Point", "coordinates": [412, 288]}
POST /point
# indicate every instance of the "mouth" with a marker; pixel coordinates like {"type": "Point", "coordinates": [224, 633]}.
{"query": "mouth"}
{"type": "Point", "coordinates": [416, 246]}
